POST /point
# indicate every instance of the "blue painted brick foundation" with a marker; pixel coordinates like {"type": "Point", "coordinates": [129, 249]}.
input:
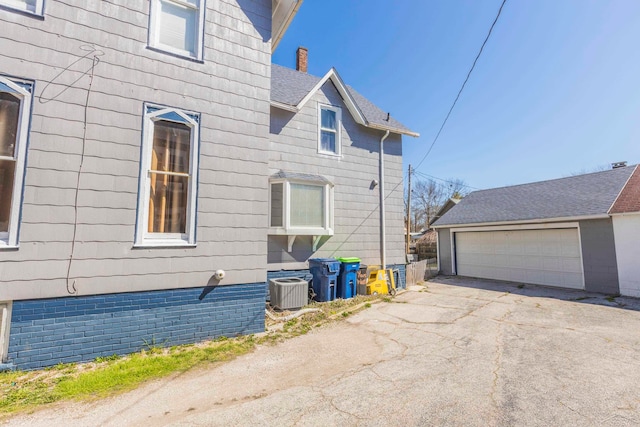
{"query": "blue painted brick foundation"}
{"type": "Point", "coordinates": [60, 330]}
{"type": "Point", "coordinates": [306, 275]}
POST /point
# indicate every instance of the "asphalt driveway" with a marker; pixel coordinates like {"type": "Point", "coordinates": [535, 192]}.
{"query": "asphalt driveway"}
{"type": "Point", "coordinates": [456, 352]}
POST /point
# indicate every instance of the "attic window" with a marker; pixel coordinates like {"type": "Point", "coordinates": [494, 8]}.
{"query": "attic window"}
{"type": "Point", "coordinates": [329, 123]}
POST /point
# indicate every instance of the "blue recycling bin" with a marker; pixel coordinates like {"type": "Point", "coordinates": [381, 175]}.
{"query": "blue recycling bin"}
{"type": "Point", "coordinates": [325, 278]}
{"type": "Point", "coordinates": [348, 277]}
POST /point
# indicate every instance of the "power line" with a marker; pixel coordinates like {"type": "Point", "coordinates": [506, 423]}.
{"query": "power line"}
{"type": "Point", "coordinates": [463, 85]}
{"type": "Point", "coordinates": [441, 127]}
{"type": "Point", "coordinates": [461, 184]}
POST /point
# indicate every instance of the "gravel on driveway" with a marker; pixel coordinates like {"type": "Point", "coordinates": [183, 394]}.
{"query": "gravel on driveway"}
{"type": "Point", "coordinates": [455, 352]}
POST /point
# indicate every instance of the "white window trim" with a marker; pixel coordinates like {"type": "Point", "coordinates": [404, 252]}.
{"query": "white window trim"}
{"type": "Point", "coordinates": [338, 130]}
{"type": "Point", "coordinates": [287, 229]}
{"type": "Point", "coordinates": [154, 29]}
{"type": "Point", "coordinates": [10, 239]}
{"type": "Point", "coordinates": [5, 324]}
{"type": "Point", "coordinates": [143, 237]}
{"type": "Point", "coordinates": [18, 5]}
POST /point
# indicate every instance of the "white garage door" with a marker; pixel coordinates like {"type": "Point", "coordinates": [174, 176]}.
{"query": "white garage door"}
{"type": "Point", "coordinates": [543, 257]}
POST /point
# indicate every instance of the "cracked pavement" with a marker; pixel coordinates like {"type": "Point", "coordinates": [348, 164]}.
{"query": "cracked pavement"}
{"type": "Point", "coordinates": [457, 351]}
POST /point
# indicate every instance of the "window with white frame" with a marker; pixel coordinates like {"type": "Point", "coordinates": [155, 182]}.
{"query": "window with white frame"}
{"type": "Point", "coordinates": [301, 205]}
{"type": "Point", "coordinates": [329, 121]}
{"type": "Point", "coordinates": [177, 26]}
{"type": "Point", "coordinates": [29, 6]}
{"type": "Point", "coordinates": [15, 109]}
{"type": "Point", "coordinates": [168, 177]}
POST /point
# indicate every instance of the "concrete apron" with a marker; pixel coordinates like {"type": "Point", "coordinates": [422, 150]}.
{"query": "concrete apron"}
{"type": "Point", "coordinates": [456, 352]}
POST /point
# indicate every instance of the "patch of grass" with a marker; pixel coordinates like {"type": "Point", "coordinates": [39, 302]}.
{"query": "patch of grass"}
{"type": "Point", "coordinates": [107, 358]}
{"type": "Point", "coordinates": [581, 298]}
{"type": "Point", "coordinates": [611, 298]}
{"type": "Point", "coordinates": [520, 286]}
{"type": "Point", "coordinates": [113, 374]}
{"type": "Point", "coordinates": [24, 390]}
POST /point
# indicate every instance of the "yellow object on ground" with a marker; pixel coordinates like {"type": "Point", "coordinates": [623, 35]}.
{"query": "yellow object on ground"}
{"type": "Point", "coordinates": [381, 282]}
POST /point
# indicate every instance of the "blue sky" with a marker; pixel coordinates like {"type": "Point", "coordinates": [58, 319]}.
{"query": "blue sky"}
{"type": "Point", "coordinates": [556, 91]}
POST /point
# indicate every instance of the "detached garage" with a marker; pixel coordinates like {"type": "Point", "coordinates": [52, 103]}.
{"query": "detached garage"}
{"type": "Point", "coordinates": [552, 233]}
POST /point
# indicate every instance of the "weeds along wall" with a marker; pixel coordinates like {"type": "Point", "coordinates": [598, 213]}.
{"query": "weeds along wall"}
{"type": "Point", "coordinates": [79, 329]}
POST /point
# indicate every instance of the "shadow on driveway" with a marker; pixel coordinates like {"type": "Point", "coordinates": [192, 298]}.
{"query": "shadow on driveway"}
{"type": "Point", "coordinates": [626, 303]}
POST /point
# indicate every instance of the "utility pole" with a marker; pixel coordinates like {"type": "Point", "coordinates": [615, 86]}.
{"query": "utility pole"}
{"type": "Point", "coordinates": [408, 213]}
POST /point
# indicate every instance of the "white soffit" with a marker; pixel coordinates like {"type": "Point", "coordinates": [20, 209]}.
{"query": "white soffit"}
{"type": "Point", "coordinates": [282, 13]}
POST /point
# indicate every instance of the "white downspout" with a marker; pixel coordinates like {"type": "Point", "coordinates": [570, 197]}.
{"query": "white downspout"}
{"type": "Point", "coordinates": [383, 236]}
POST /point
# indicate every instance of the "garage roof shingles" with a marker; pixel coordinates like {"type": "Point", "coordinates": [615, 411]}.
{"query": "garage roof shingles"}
{"type": "Point", "coordinates": [629, 198]}
{"type": "Point", "coordinates": [574, 196]}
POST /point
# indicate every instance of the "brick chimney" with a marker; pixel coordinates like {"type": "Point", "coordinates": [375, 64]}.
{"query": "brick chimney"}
{"type": "Point", "coordinates": [301, 59]}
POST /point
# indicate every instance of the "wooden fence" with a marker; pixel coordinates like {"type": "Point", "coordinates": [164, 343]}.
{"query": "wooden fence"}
{"type": "Point", "coordinates": [421, 271]}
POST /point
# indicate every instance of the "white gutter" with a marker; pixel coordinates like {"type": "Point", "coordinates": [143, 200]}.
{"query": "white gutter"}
{"type": "Point", "coordinates": [383, 238]}
{"type": "Point", "coordinates": [528, 221]}
{"type": "Point", "coordinates": [392, 129]}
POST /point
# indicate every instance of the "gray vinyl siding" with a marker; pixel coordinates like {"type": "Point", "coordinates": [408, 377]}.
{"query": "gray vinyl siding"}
{"type": "Point", "coordinates": [231, 92]}
{"type": "Point", "coordinates": [599, 256]}
{"type": "Point", "coordinates": [294, 148]}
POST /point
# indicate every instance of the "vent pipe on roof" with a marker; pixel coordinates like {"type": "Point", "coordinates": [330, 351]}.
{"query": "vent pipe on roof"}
{"type": "Point", "coordinates": [616, 165]}
{"type": "Point", "coordinates": [302, 55]}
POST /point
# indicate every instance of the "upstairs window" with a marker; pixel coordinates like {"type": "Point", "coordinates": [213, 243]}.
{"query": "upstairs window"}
{"type": "Point", "coordinates": [29, 6]}
{"type": "Point", "coordinates": [329, 121]}
{"type": "Point", "coordinates": [177, 26]}
{"type": "Point", "coordinates": [167, 194]}
{"type": "Point", "coordinates": [15, 107]}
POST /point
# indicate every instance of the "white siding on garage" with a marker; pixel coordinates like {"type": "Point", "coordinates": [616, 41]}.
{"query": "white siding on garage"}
{"type": "Point", "coordinates": [626, 229]}
{"type": "Point", "coordinates": [548, 257]}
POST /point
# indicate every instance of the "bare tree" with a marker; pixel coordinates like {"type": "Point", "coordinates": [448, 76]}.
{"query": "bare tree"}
{"type": "Point", "coordinates": [428, 196]}
{"type": "Point", "coordinates": [583, 171]}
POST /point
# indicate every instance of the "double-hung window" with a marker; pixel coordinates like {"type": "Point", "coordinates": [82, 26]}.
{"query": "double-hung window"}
{"type": "Point", "coordinates": [329, 121]}
{"type": "Point", "coordinates": [300, 205]}
{"type": "Point", "coordinates": [168, 177]}
{"type": "Point", "coordinates": [29, 6]}
{"type": "Point", "coordinates": [15, 108]}
{"type": "Point", "coordinates": [177, 26]}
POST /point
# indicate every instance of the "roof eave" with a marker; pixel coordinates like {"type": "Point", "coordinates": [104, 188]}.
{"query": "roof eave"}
{"type": "Point", "coordinates": [344, 93]}
{"type": "Point", "coordinates": [394, 130]}
{"type": "Point", "coordinates": [279, 25]}
{"type": "Point", "coordinates": [527, 221]}
{"type": "Point", "coordinates": [283, 106]}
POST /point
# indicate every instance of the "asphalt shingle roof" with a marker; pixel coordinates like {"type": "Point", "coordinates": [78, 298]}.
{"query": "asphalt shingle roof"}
{"type": "Point", "coordinates": [574, 196]}
{"type": "Point", "coordinates": [289, 86]}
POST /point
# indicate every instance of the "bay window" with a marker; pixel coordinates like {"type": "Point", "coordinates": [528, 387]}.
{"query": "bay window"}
{"type": "Point", "coordinates": [169, 167]}
{"type": "Point", "coordinates": [300, 205]}
{"type": "Point", "coordinates": [15, 107]}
